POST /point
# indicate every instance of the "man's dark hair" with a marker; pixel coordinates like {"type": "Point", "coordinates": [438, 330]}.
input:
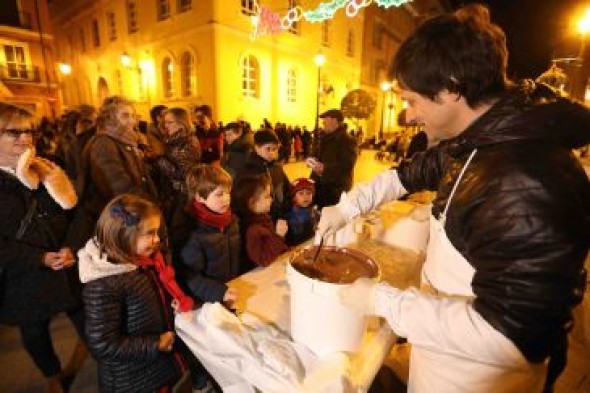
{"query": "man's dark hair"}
{"type": "Point", "coordinates": [462, 52]}
{"type": "Point", "coordinates": [205, 109]}
{"type": "Point", "coordinates": [233, 126]}
{"type": "Point", "coordinates": [156, 111]}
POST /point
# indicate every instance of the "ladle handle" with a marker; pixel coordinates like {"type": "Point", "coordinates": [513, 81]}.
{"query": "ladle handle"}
{"type": "Point", "coordinates": [317, 252]}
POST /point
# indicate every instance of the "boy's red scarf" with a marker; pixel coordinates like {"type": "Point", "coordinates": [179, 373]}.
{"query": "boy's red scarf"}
{"type": "Point", "coordinates": [208, 217]}
{"type": "Point", "coordinates": [166, 276]}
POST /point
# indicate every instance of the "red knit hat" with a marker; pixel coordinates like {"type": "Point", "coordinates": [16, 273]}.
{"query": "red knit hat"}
{"type": "Point", "coordinates": [302, 183]}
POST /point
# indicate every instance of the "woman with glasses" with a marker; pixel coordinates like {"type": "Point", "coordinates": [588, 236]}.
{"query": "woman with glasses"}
{"type": "Point", "coordinates": [37, 275]}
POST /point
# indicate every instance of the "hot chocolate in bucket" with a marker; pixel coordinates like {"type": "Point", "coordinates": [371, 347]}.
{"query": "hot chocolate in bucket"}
{"type": "Point", "coordinates": [318, 319]}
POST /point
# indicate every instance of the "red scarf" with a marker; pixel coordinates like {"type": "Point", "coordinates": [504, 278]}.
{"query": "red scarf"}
{"type": "Point", "coordinates": [202, 213]}
{"type": "Point", "coordinates": [166, 276]}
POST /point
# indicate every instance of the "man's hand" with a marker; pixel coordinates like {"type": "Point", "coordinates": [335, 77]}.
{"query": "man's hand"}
{"type": "Point", "coordinates": [315, 165]}
{"type": "Point", "coordinates": [331, 220]}
{"type": "Point", "coordinates": [360, 296]}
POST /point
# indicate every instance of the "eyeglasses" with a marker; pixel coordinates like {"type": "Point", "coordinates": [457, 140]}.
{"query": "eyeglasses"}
{"type": "Point", "coordinates": [15, 133]}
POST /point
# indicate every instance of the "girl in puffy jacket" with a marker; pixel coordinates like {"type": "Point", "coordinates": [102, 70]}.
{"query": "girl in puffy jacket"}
{"type": "Point", "coordinates": [129, 293]}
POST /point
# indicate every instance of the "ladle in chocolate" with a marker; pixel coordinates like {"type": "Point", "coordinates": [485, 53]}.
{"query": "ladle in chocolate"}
{"type": "Point", "coordinates": [317, 252]}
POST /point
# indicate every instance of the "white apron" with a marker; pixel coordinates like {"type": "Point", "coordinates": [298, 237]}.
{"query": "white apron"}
{"type": "Point", "coordinates": [494, 365]}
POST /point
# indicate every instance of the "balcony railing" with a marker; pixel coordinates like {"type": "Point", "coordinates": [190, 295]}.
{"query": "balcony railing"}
{"type": "Point", "coordinates": [19, 73]}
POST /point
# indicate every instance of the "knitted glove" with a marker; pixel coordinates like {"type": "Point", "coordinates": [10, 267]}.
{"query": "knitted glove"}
{"type": "Point", "coordinates": [24, 172]}
{"type": "Point", "coordinates": [56, 182]}
{"type": "Point", "coordinates": [360, 296]}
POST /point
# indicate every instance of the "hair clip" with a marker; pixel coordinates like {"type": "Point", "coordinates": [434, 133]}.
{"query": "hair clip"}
{"type": "Point", "coordinates": [129, 219]}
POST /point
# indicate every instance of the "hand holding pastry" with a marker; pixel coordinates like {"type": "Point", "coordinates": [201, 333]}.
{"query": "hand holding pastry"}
{"type": "Point", "coordinates": [56, 182]}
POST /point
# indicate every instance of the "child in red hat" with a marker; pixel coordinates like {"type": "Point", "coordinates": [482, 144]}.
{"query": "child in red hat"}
{"type": "Point", "coordinates": [303, 216]}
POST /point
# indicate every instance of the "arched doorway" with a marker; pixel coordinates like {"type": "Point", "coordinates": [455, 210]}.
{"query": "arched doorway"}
{"type": "Point", "coordinates": [102, 90]}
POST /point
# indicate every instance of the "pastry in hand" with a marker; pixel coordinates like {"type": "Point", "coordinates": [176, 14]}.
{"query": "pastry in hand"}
{"type": "Point", "coordinates": [24, 172]}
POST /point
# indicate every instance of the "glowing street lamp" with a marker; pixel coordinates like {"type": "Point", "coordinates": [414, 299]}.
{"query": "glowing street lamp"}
{"type": "Point", "coordinates": [583, 29]}
{"type": "Point", "coordinates": [584, 23]}
{"type": "Point", "coordinates": [64, 68]}
{"type": "Point", "coordinates": [125, 60]}
{"type": "Point", "coordinates": [145, 67]}
{"type": "Point", "coordinates": [319, 60]}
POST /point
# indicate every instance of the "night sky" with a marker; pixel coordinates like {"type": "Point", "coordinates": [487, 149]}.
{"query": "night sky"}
{"type": "Point", "coordinates": [536, 31]}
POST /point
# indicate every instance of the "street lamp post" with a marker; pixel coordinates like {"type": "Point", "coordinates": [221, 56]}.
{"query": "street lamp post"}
{"type": "Point", "coordinates": [319, 61]}
{"type": "Point", "coordinates": [583, 29]}
{"type": "Point", "coordinates": [385, 87]}
{"type": "Point", "coordinates": [64, 69]}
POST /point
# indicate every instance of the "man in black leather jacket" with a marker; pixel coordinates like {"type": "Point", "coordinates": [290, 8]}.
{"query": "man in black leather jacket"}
{"type": "Point", "coordinates": [510, 225]}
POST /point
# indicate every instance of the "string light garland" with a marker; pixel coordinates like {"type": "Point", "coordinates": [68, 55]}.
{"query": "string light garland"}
{"type": "Point", "coordinates": [266, 21]}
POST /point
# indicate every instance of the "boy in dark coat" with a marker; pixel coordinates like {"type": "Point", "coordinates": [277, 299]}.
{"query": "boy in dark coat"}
{"type": "Point", "coordinates": [263, 161]}
{"type": "Point", "coordinates": [206, 237]}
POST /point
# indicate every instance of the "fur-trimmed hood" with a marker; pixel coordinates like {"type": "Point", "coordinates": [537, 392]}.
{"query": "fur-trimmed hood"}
{"type": "Point", "coordinates": [94, 265]}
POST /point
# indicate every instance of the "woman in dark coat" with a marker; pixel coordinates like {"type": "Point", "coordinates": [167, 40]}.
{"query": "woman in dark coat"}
{"type": "Point", "coordinates": [37, 274]}
{"type": "Point", "coordinates": [181, 152]}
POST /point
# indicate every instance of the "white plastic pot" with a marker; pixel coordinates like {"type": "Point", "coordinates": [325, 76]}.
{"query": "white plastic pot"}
{"type": "Point", "coordinates": [318, 319]}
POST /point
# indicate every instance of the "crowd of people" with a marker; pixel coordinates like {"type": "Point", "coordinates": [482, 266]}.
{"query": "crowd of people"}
{"type": "Point", "coordinates": [120, 224]}
{"type": "Point", "coordinates": [104, 210]}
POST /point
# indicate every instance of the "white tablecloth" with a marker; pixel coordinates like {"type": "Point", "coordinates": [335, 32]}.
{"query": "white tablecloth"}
{"type": "Point", "coordinates": [264, 311]}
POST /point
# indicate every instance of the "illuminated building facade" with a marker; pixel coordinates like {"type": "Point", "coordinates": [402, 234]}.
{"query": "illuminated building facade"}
{"type": "Point", "coordinates": [185, 53]}
{"type": "Point", "coordinates": [27, 64]}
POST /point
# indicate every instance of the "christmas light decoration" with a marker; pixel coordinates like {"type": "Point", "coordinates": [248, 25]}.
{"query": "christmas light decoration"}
{"type": "Point", "coordinates": [390, 3]}
{"type": "Point", "coordinates": [325, 11]}
{"type": "Point", "coordinates": [266, 21]}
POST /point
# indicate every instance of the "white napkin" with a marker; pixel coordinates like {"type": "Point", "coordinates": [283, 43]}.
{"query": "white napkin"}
{"type": "Point", "coordinates": [248, 354]}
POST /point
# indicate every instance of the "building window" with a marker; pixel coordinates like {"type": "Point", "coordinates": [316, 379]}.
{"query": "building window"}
{"type": "Point", "coordinates": [326, 33]}
{"type": "Point", "coordinates": [132, 26]}
{"type": "Point", "coordinates": [295, 27]}
{"type": "Point", "coordinates": [184, 5]}
{"type": "Point", "coordinates": [163, 9]}
{"type": "Point", "coordinates": [112, 26]}
{"type": "Point", "coordinates": [291, 85]}
{"type": "Point", "coordinates": [168, 77]}
{"type": "Point", "coordinates": [82, 40]}
{"type": "Point", "coordinates": [350, 43]}
{"type": "Point", "coordinates": [248, 7]}
{"type": "Point", "coordinates": [16, 63]}
{"type": "Point", "coordinates": [187, 74]}
{"type": "Point", "coordinates": [95, 33]}
{"type": "Point", "coordinates": [250, 77]}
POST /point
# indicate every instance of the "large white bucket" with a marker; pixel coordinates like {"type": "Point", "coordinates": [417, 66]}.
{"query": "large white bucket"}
{"type": "Point", "coordinates": [318, 319]}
